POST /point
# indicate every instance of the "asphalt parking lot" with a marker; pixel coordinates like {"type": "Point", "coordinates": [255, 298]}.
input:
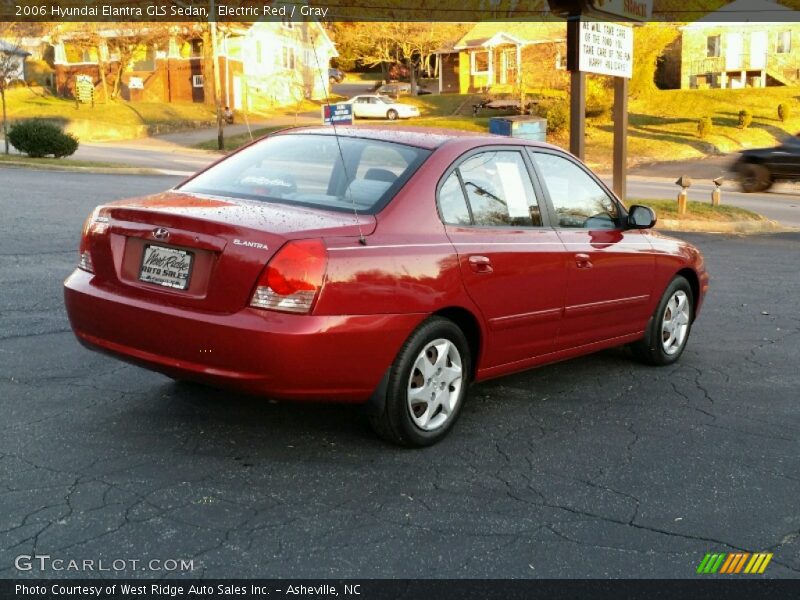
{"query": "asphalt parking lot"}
{"type": "Point", "coordinates": [597, 467]}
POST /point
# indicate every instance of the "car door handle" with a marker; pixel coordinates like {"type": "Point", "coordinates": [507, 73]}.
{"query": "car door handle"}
{"type": "Point", "coordinates": [583, 261]}
{"type": "Point", "coordinates": [480, 264]}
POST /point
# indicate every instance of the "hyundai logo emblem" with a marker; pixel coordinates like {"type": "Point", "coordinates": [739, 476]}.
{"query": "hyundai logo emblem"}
{"type": "Point", "coordinates": [160, 233]}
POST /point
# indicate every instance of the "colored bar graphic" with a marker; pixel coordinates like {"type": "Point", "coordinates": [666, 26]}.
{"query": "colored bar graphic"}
{"type": "Point", "coordinates": [734, 562]}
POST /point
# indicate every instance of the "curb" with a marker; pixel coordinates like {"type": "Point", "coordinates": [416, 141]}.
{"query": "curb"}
{"type": "Point", "coordinates": [743, 227]}
{"type": "Point", "coordinates": [101, 170]}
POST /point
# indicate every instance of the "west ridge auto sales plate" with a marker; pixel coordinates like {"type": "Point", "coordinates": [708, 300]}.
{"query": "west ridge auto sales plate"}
{"type": "Point", "coordinates": [168, 267]}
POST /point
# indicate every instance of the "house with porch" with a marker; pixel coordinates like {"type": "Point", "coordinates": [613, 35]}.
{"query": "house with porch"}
{"type": "Point", "coordinates": [261, 65]}
{"type": "Point", "coordinates": [734, 48]}
{"type": "Point", "coordinates": [499, 57]}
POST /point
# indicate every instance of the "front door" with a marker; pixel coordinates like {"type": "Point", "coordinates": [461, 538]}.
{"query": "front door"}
{"type": "Point", "coordinates": [758, 50]}
{"type": "Point", "coordinates": [734, 48]}
{"type": "Point", "coordinates": [513, 266]}
{"type": "Point", "coordinates": [610, 269]}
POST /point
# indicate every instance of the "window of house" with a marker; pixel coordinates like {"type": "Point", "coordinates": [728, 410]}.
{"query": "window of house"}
{"type": "Point", "coordinates": [79, 54]}
{"type": "Point", "coordinates": [578, 199]}
{"type": "Point", "coordinates": [498, 192]}
{"type": "Point", "coordinates": [784, 45]}
{"type": "Point", "coordinates": [144, 58]}
{"type": "Point", "coordinates": [713, 46]}
{"type": "Point", "coordinates": [197, 81]}
{"type": "Point", "coordinates": [197, 48]}
{"type": "Point", "coordinates": [288, 58]}
{"type": "Point", "coordinates": [480, 62]}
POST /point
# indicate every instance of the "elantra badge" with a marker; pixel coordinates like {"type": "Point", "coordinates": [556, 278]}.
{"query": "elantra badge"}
{"type": "Point", "coordinates": [238, 242]}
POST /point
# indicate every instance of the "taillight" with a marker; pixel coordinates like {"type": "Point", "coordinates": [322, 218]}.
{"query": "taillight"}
{"type": "Point", "coordinates": [96, 224]}
{"type": "Point", "coordinates": [293, 278]}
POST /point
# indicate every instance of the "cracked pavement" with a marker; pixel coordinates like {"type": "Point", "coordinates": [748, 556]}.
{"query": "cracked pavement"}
{"type": "Point", "coordinates": [596, 467]}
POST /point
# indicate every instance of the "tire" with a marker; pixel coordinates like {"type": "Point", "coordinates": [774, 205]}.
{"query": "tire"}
{"type": "Point", "coordinates": [392, 114]}
{"type": "Point", "coordinates": [754, 178]}
{"type": "Point", "coordinates": [411, 417]}
{"type": "Point", "coordinates": [669, 328]}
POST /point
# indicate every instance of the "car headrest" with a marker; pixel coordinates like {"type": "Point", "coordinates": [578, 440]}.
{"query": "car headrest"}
{"type": "Point", "coordinates": [376, 174]}
{"type": "Point", "coordinates": [366, 191]}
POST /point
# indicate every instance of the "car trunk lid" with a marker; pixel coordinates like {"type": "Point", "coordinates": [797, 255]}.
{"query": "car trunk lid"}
{"type": "Point", "coordinates": [204, 252]}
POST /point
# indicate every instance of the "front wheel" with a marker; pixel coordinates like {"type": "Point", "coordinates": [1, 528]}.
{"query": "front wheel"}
{"type": "Point", "coordinates": [668, 331]}
{"type": "Point", "coordinates": [754, 178]}
{"type": "Point", "coordinates": [392, 115]}
{"type": "Point", "coordinates": [427, 385]}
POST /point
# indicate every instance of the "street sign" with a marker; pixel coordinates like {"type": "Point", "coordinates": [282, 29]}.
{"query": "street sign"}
{"type": "Point", "coordinates": [337, 114]}
{"type": "Point", "coordinates": [605, 49]}
{"type": "Point", "coordinates": [135, 83]}
{"type": "Point", "coordinates": [633, 10]}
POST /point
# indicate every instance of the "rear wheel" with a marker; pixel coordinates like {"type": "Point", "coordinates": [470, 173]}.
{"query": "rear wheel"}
{"type": "Point", "coordinates": [391, 114]}
{"type": "Point", "coordinates": [754, 178]}
{"type": "Point", "coordinates": [669, 328]}
{"type": "Point", "coordinates": [427, 385]}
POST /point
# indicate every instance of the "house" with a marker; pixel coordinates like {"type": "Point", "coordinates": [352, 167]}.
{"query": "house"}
{"type": "Point", "coordinates": [499, 57]}
{"type": "Point", "coordinates": [734, 48]}
{"type": "Point", "coordinates": [261, 65]}
{"type": "Point", "coordinates": [14, 57]}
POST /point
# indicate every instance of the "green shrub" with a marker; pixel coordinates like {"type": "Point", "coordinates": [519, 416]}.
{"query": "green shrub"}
{"type": "Point", "coordinates": [38, 138]}
{"type": "Point", "coordinates": [556, 113]}
{"type": "Point", "coordinates": [705, 127]}
{"type": "Point", "coordinates": [784, 112]}
{"type": "Point", "coordinates": [745, 118]}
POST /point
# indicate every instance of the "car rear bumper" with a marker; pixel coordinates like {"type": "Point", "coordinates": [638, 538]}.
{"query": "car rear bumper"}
{"type": "Point", "coordinates": [300, 357]}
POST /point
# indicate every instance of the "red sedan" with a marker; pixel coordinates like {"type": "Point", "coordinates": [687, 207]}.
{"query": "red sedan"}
{"type": "Point", "coordinates": [385, 267]}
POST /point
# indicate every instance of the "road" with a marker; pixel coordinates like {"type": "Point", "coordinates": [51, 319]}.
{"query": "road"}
{"type": "Point", "coordinates": [598, 467]}
{"type": "Point", "coordinates": [781, 204]}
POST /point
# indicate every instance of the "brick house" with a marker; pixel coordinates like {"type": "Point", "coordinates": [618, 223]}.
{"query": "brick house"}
{"type": "Point", "coordinates": [731, 48]}
{"type": "Point", "coordinates": [261, 65]}
{"type": "Point", "coordinates": [499, 57]}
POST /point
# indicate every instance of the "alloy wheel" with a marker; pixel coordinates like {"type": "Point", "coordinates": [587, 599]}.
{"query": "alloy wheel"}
{"type": "Point", "coordinates": [434, 385]}
{"type": "Point", "coordinates": [675, 323]}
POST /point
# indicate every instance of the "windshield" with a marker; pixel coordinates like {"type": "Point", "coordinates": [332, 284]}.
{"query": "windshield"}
{"type": "Point", "coordinates": [307, 169]}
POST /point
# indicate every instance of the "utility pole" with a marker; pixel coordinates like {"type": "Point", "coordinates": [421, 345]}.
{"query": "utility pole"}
{"type": "Point", "coordinates": [212, 25]}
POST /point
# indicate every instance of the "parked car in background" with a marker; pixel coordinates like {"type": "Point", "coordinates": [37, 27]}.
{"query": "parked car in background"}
{"type": "Point", "coordinates": [375, 106]}
{"type": "Point", "coordinates": [385, 266]}
{"type": "Point", "coordinates": [395, 90]}
{"type": "Point", "coordinates": [758, 168]}
{"type": "Point", "coordinates": [335, 76]}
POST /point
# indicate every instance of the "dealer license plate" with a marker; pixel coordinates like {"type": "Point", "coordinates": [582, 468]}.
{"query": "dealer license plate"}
{"type": "Point", "coordinates": [169, 267]}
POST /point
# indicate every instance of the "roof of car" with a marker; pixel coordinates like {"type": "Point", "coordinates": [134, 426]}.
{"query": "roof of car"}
{"type": "Point", "coordinates": [429, 138]}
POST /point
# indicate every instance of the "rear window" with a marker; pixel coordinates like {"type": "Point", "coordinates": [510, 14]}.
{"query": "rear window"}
{"type": "Point", "coordinates": [309, 170]}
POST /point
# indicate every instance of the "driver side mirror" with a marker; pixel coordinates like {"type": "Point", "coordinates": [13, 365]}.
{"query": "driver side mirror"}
{"type": "Point", "coordinates": [641, 217]}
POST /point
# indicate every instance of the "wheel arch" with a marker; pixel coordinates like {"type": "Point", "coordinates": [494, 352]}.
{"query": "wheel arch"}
{"type": "Point", "coordinates": [470, 326]}
{"type": "Point", "coordinates": [694, 282]}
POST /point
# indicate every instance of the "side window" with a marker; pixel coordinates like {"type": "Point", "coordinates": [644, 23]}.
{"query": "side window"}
{"type": "Point", "coordinates": [499, 190]}
{"type": "Point", "coordinates": [452, 204]}
{"type": "Point", "coordinates": [577, 198]}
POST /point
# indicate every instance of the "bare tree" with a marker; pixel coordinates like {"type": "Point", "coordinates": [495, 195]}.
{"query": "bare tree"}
{"type": "Point", "coordinates": [10, 65]}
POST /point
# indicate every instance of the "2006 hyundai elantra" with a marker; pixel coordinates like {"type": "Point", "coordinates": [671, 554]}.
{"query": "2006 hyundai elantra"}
{"type": "Point", "coordinates": [390, 267]}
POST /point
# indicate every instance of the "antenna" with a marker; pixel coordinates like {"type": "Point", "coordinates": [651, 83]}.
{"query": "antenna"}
{"type": "Point", "coordinates": [361, 239]}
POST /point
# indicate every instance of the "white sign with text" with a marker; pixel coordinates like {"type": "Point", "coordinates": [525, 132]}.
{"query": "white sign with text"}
{"type": "Point", "coordinates": [606, 49]}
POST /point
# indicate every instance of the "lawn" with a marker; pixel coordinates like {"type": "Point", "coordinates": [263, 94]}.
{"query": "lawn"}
{"type": "Point", "coordinates": [112, 120]}
{"type": "Point", "coordinates": [699, 211]}
{"type": "Point", "coordinates": [233, 142]}
{"type": "Point", "coordinates": [663, 126]}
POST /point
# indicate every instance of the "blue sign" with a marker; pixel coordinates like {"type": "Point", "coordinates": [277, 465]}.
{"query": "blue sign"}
{"type": "Point", "coordinates": [337, 114]}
